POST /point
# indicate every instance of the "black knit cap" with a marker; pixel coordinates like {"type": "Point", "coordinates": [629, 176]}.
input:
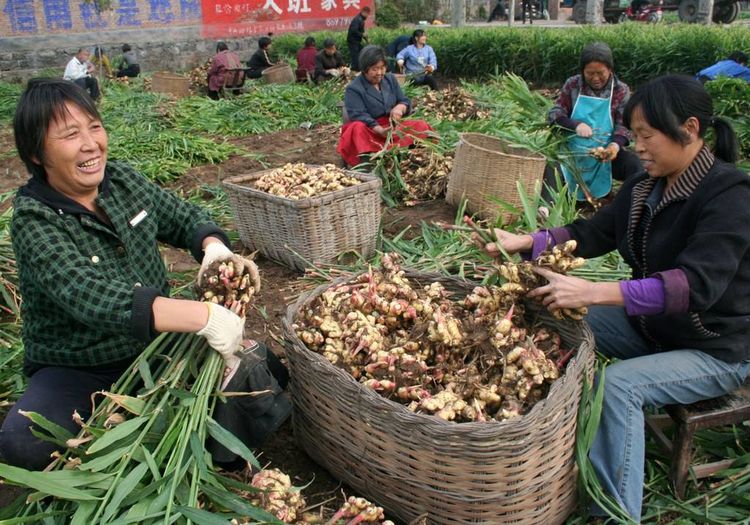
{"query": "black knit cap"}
{"type": "Point", "coordinates": [597, 52]}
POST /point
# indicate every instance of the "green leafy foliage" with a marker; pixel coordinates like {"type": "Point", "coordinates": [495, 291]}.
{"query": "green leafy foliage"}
{"type": "Point", "coordinates": [388, 16]}
{"type": "Point", "coordinates": [549, 56]}
{"type": "Point", "coordinates": [9, 94]}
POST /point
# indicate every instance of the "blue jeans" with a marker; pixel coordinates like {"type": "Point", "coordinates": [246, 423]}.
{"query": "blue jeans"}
{"type": "Point", "coordinates": [641, 379]}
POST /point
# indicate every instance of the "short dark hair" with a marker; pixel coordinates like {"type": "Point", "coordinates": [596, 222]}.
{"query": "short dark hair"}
{"type": "Point", "coordinates": [371, 55]}
{"type": "Point", "coordinates": [264, 42]}
{"type": "Point", "coordinates": [42, 102]}
{"type": "Point", "coordinates": [739, 57]}
{"type": "Point", "coordinates": [310, 41]}
{"type": "Point", "coordinates": [126, 48]}
{"type": "Point", "coordinates": [597, 52]}
{"type": "Point", "coordinates": [328, 43]}
{"type": "Point", "coordinates": [221, 46]}
{"type": "Point", "coordinates": [667, 102]}
{"type": "Point", "coordinates": [416, 34]}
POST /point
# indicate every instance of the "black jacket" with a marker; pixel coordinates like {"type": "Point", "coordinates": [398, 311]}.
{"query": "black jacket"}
{"type": "Point", "coordinates": [325, 61]}
{"type": "Point", "coordinates": [259, 61]}
{"type": "Point", "coordinates": [356, 30]}
{"type": "Point", "coordinates": [698, 243]}
{"type": "Point", "coordinates": [365, 103]}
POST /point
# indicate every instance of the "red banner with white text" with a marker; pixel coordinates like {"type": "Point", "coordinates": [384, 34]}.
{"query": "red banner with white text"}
{"type": "Point", "coordinates": [238, 18]}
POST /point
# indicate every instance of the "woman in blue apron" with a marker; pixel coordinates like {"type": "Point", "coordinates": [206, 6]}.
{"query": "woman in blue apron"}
{"type": "Point", "coordinates": [591, 105]}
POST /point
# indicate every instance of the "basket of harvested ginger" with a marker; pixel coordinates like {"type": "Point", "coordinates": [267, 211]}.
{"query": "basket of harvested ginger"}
{"type": "Point", "coordinates": [433, 395]}
{"type": "Point", "coordinates": [303, 214]}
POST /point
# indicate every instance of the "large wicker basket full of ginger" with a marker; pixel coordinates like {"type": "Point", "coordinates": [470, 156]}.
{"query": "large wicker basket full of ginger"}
{"type": "Point", "coordinates": [433, 395]}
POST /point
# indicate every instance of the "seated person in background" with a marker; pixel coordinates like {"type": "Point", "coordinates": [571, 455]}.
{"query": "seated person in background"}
{"type": "Point", "coordinates": [221, 71]}
{"type": "Point", "coordinates": [79, 71]}
{"type": "Point", "coordinates": [590, 110]}
{"type": "Point", "coordinates": [306, 60]}
{"type": "Point", "coordinates": [100, 58]}
{"type": "Point", "coordinates": [418, 60]}
{"type": "Point", "coordinates": [733, 67]}
{"type": "Point", "coordinates": [374, 106]}
{"type": "Point", "coordinates": [394, 48]}
{"type": "Point", "coordinates": [129, 66]}
{"type": "Point", "coordinates": [329, 63]}
{"type": "Point", "coordinates": [259, 61]}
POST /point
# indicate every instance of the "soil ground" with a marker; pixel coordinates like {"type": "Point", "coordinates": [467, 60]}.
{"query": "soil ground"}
{"type": "Point", "coordinates": [280, 285]}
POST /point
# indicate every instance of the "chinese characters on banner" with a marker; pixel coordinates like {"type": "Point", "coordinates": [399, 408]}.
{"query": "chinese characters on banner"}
{"type": "Point", "coordinates": [236, 18]}
{"type": "Point", "coordinates": [76, 16]}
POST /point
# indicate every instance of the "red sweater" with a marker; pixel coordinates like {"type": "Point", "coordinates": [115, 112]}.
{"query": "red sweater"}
{"type": "Point", "coordinates": [306, 59]}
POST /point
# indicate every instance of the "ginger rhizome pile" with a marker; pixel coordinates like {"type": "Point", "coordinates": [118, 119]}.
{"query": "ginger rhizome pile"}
{"type": "Point", "coordinates": [425, 172]}
{"type": "Point", "coordinates": [452, 103]}
{"type": "Point", "coordinates": [224, 284]}
{"type": "Point", "coordinates": [279, 497]}
{"type": "Point", "coordinates": [462, 359]}
{"type": "Point", "coordinates": [300, 181]}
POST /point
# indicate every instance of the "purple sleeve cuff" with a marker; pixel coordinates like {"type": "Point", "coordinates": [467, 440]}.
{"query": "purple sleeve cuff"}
{"type": "Point", "coordinates": [567, 122]}
{"type": "Point", "coordinates": [676, 291]}
{"type": "Point", "coordinates": [643, 296]}
{"type": "Point", "coordinates": [620, 140]}
{"type": "Point", "coordinates": [544, 239]}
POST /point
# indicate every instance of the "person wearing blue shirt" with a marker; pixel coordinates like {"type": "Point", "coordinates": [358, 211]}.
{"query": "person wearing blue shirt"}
{"type": "Point", "coordinates": [733, 67]}
{"type": "Point", "coordinates": [418, 60]}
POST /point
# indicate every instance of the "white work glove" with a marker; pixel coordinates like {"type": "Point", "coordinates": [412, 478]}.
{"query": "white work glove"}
{"type": "Point", "coordinates": [217, 251]}
{"type": "Point", "coordinates": [224, 332]}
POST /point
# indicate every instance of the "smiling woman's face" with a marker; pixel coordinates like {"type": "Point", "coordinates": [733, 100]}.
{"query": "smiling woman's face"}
{"type": "Point", "coordinates": [75, 153]}
{"type": "Point", "coordinates": [661, 155]}
{"type": "Point", "coordinates": [375, 72]}
{"type": "Point", "coordinates": [597, 74]}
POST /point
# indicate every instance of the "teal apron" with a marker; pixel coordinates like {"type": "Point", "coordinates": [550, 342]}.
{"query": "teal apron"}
{"type": "Point", "coordinates": [597, 175]}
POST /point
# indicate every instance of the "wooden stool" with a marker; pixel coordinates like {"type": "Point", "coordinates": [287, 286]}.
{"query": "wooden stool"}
{"type": "Point", "coordinates": [731, 409]}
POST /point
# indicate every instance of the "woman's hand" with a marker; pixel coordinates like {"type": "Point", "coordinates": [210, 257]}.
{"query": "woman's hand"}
{"type": "Point", "coordinates": [429, 69]}
{"type": "Point", "coordinates": [508, 242]}
{"type": "Point", "coordinates": [610, 152]}
{"type": "Point", "coordinates": [563, 291]}
{"type": "Point", "coordinates": [397, 112]}
{"type": "Point", "coordinates": [215, 250]}
{"type": "Point", "coordinates": [380, 130]}
{"type": "Point", "coordinates": [584, 130]}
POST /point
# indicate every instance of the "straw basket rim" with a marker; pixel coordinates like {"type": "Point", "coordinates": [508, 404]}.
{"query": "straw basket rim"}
{"type": "Point", "coordinates": [442, 427]}
{"type": "Point", "coordinates": [367, 182]}
{"type": "Point", "coordinates": [463, 137]}
{"type": "Point", "coordinates": [276, 67]}
{"type": "Point", "coordinates": [170, 75]}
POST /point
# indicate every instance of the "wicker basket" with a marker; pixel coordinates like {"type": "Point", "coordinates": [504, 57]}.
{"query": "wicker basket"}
{"type": "Point", "coordinates": [166, 82]}
{"type": "Point", "coordinates": [519, 471]}
{"type": "Point", "coordinates": [400, 78]}
{"type": "Point", "coordinates": [314, 230]}
{"type": "Point", "coordinates": [279, 74]}
{"type": "Point", "coordinates": [486, 167]}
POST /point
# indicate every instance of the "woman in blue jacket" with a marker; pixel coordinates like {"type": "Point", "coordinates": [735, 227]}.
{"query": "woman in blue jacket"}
{"type": "Point", "coordinates": [418, 60]}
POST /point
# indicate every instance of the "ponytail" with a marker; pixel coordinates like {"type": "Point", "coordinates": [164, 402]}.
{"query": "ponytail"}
{"type": "Point", "coordinates": [727, 146]}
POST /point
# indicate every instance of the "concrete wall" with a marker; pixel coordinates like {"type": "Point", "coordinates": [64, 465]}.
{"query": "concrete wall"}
{"type": "Point", "coordinates": [44, 34]}
{"type": "Point", "coordinates": [167, 34]}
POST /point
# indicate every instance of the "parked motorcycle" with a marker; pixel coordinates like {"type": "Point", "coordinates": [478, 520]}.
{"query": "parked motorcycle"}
{"type": "Point", "coordinates": [651, 13]}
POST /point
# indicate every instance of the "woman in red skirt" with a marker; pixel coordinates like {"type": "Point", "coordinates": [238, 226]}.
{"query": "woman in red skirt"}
{"type": "Point", "coordinates": [374, 106]}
